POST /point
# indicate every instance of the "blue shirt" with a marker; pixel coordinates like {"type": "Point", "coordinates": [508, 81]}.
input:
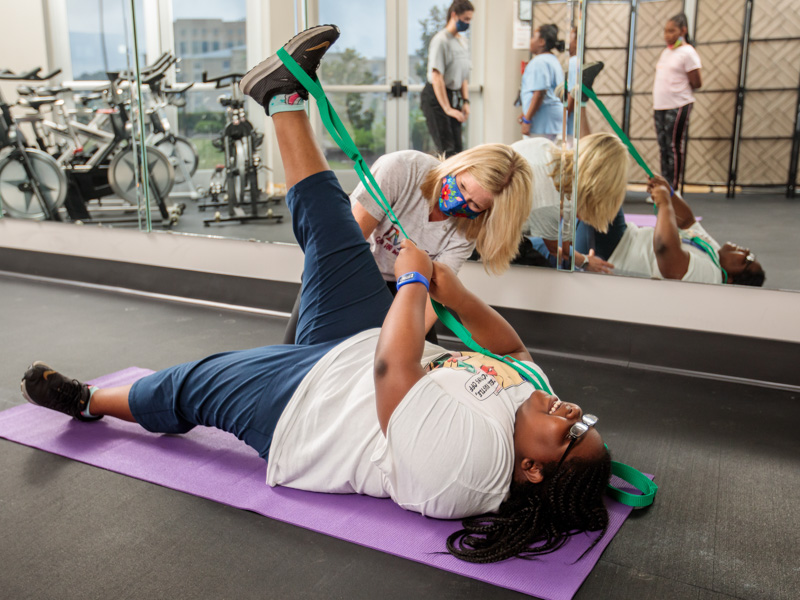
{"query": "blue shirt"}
{"type": "Point", "coordinates": [544, 72]}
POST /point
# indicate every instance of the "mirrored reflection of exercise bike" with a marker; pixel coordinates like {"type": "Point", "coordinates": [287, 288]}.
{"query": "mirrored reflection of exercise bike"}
{"type": "Point", "coordinates": [237, 178]}
{"type": "Point", "coordinates": [32, 185]}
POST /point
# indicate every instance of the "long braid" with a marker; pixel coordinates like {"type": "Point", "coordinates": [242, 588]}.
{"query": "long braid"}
{"type": "Point", "coordinates": [539, 518]}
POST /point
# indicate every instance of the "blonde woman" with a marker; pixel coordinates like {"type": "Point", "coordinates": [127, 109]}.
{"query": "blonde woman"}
{"type": "Point", "coordinates": [478, 200]}
{"type": "Point", "coordinates": [602, 181]}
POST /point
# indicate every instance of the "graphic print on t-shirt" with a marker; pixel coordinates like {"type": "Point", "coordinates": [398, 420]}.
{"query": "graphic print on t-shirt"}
{"type": "Point", "coordinates": [489, 375]}
{"type": "Point", "coordinates": [390, 240]}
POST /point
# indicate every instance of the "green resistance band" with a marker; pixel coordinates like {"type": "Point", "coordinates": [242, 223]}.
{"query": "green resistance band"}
{"type": "Point", "coordinates": [618, 130]}
{"type": "Point", "coordinates": [339, 135]}
{"type": "Point", "coordinates": [713, 254]}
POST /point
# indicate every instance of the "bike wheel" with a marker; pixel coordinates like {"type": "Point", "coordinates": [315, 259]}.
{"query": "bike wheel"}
{"type": "Point", "coordinates": [182, 150]}
{"type": "Point", "coordinates": [122, 178]}
{"type": "Point", "coordinates": [17, 197]}
{"type": "Point", "coordinates": [235, 178]}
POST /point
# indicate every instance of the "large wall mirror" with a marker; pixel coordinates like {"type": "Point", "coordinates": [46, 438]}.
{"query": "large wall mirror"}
{"type": "Point", "coordinates": [173, 146]}
{"type": "Point", "coordinates": [72, 115]}
{"type": "Point", "coordinates": [737, 134]}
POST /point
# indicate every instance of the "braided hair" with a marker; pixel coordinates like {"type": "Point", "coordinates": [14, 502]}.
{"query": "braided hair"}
{"type": "Point", "coordinates": [538, 518]}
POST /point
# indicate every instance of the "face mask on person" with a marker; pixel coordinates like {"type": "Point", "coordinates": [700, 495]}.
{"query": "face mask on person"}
{"type": "Point", "coordinates": [461, 26]}
{"type": "Point", "coordinates": [452, 202]}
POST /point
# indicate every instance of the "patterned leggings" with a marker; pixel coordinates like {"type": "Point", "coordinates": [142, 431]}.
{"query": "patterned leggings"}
{"type": "Point", "coordinates": [671, 126]}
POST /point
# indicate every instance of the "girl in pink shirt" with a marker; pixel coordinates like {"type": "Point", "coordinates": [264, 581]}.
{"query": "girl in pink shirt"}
{"type": "Point", "coordinates": [677, 76]}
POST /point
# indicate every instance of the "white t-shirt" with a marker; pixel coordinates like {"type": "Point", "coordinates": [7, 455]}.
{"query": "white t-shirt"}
{"type": "Point", "coordinates": [546, 209]}
{"type": "Point", "coordinates": [671, 87]}
{"type": "Point", "coordinates": [635, 255]}
{"type": "Point", "coordinates": [449, 448]}
{"type": "Point", "coordinates": [400, 175]}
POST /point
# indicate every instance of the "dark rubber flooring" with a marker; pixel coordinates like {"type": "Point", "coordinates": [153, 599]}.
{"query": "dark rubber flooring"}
{"type": "Point", "coordinates": [726, 523]}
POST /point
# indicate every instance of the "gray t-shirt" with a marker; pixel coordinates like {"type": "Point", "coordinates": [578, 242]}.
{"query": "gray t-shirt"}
{"type": "Point", "coordinates": [449, 55]}
{"type": "Point", "coordinates": [400, 175]}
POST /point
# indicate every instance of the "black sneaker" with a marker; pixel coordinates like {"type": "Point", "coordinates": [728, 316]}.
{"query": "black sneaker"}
{"type": "Point", "coordinates": [46, 387]}
{"type": "Point", "coordinates": [588, 75]}
{"type": "Point", "coordinates": [270, 77]}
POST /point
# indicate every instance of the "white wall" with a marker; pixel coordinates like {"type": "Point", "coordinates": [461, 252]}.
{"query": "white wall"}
{"type": "Point", "coordinates": [502, 73]}
{"type": "Point", "coordinates": [23, 44]}
{"type": "Point", "coordinates": [722, 309]}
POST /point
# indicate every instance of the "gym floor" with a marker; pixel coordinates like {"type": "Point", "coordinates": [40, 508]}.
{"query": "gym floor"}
{"type": "Point", "coordinates": [764, 221]}
{"type": "Point", "coordinates": [726, 456]}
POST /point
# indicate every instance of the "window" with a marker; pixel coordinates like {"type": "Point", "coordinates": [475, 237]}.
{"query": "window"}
{"type": "Point", "coordinates": [99, 35]}
{"type": "Point", "coordinates": [224, 21]}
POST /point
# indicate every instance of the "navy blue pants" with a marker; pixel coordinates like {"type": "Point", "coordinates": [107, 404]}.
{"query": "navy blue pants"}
{"type": "Point", "coordinates": [245, 392]}
{"type": "Point", "coordinates": [588, 238]}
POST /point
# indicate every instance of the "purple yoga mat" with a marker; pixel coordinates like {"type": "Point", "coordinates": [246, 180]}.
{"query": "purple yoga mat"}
{"type": "Point", "coordinates": [645, 220]}
{"type": "Point", "coordinates": [215, 465]}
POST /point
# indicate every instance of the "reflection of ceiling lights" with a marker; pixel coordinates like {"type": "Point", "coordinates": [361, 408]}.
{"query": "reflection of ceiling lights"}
{"type": "Point", "coordinates": [121, 49]}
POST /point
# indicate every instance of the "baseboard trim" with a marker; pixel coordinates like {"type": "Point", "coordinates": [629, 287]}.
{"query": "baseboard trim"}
{"type": "Point", "coordinates": [724, 357]}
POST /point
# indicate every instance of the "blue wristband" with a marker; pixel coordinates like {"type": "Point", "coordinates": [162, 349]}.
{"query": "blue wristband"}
{"type": "Point", "coordinates": [526, 121]}
{"type": "Point", "coordinates": [412, 277]}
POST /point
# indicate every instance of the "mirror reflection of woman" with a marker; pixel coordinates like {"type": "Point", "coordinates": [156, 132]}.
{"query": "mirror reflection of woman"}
{"type": "Point", "coordinates": [602, 182]}
{"type": "Point", "coordinates": [445, 97]}
{"type": "Point", "coordinates": [542, 111]}
{"type": "Point", "coordinates": [678, 74]}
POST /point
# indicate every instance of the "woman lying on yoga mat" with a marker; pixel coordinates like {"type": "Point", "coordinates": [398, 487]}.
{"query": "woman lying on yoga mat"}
{"type": "Point", "coordinates": [678, 247]}
{"type": "Point", "coordinates": [603, 168]}
{"type": "Point", "coordinates": [361, 404]}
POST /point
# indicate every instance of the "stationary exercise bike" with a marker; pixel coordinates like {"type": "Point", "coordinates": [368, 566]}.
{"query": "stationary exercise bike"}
{"type": "Point", "coordinates": [238, 177]}
{"type": "Point", "coordinates": [115, 166]}
{"type": "Point", "coordinates": [32, 185]}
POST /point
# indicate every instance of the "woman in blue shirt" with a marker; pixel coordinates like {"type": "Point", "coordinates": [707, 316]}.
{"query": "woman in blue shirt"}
{"type": "Point", "coordinates": [542, 112]}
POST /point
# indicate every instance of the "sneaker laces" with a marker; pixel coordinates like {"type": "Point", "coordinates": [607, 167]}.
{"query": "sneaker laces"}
{"type": "Point", "coordinates": [69, 391]}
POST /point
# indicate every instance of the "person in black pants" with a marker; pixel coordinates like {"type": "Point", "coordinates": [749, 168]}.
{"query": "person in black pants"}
{"type": "Point", "coordinates": [445, 97]}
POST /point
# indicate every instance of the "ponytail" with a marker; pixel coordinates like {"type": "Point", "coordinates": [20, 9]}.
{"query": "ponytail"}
{"type": "Point", "coordinates": [549, 33]}
{"type": "Point", "coordinates": [681, 21]}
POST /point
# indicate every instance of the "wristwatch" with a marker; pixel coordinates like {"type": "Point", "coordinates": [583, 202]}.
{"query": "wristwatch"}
{"type": "Point", "coordinates": [412, 277]}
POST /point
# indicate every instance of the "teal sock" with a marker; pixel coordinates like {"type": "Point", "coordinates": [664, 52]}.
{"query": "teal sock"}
{"type": "Point", "coordinates": [285, 103]}
{"type": "Point", "coordinates": [85, 412]}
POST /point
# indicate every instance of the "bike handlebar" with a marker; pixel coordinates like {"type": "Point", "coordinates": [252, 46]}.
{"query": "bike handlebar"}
{"type": "Point", "coordinates": [234, 77]}
{"type": "Point", "coordinates": [32, 75]}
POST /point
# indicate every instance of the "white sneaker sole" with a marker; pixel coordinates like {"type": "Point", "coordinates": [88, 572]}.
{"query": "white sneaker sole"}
{"type": "Point", "coordinates": [271, 63]}
{"type": "Point", "coordinates": [22, 385]}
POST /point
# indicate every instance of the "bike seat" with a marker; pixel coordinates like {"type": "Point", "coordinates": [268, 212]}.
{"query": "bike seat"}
{"type": "Point", "coordinates": [53, 91]}
{"type": "Point", "coordinates": [175, 89]}
{"type": "Point", "coordinates": [37, 103]}
{"type": "Point", "coordinates": [85, 99]}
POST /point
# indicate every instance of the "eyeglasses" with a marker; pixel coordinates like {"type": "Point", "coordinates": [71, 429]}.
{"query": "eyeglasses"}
{"type": "Point", "coordinates": [575, 432]}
